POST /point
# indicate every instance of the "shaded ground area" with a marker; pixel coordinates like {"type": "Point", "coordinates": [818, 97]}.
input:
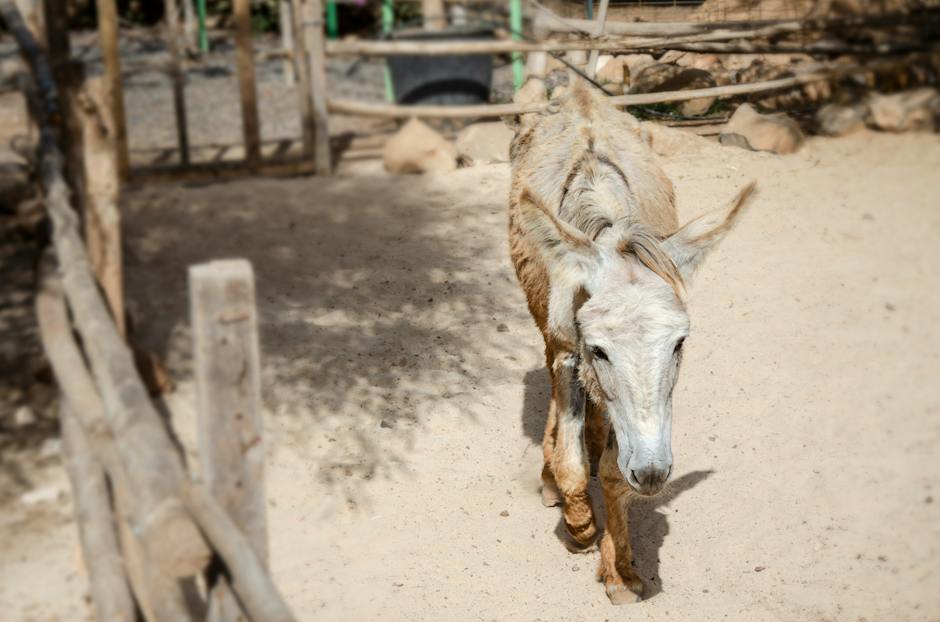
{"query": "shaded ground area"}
{"type": "Point", "coordinates": [405, 392]}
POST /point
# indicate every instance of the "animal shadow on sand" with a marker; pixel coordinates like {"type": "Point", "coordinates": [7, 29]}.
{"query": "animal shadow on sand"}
{"type": "Point", "coordinates": [648, 525]}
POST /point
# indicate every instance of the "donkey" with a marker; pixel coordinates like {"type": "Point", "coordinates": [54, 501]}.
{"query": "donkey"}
{"type": "Point", "coordinates": [597, 248]}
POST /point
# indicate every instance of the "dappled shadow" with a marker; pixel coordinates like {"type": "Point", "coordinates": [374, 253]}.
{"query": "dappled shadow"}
{"type": "Point", "coordinates": [370, 313]}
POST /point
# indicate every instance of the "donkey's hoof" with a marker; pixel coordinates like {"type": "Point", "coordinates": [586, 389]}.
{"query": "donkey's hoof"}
{"type": "Point", "coordinates": [550, 496]}
{"type": "Point", "coordinates": [622, 595]}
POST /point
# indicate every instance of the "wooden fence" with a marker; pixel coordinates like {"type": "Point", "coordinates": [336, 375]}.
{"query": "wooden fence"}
{"type": "Point", "coordinates": [151, 534]}
{"type": "Point", "coordinates": [309, 50]}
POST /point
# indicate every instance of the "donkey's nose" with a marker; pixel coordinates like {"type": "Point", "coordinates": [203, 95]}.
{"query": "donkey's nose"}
{"type": "Point", "coordinates": [649, 480]}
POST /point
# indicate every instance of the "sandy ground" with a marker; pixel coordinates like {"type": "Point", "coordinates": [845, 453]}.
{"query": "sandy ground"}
{"type": "Point", "coordinates": [405, 396]}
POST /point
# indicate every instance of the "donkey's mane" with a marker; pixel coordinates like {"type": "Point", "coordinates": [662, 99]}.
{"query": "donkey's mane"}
{"type": "Point", "coordinates": [638, 240]}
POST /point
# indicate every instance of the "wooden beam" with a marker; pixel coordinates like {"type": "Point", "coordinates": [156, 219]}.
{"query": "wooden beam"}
{"type": "Point", "coordinates": [250, 581]}
{"type": "Point", "coordinates": [285, 24]}
{"type": "Point", "coordinates": [341, 106]}
{"type": "Point", "coordinates": [247, 88]}
{"type": "Point", "coordinates": [228, 392]}
{"type": "Point", "coordinates": [108, 30]}
{"type": "Point", "coordinates": [315, 42]}
{"type": "Point", "coordinates": [174, 42]}
{"type": "Point", "coordinates": [110, 592]}
{"type": "Point", "coordinates": [432, 14]}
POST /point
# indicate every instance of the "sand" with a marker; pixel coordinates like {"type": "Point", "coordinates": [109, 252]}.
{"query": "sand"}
{"type": "Point", "coordinates": [405, 395]}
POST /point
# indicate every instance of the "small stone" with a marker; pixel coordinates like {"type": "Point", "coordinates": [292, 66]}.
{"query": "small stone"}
{"type": "Point", "coordinates": [882, 558]}
{"type": "Point", "coordinates": [502, 328]}
{"type": "Point", "coordinates": [504, 513]}
{"type": "Point", "coordinates": [760, 568]}
{"type": "Point", "coordinates": [775, 133]}
{"type": "Point", "coordinates": [928, 499]}
{"type": "Point", "coordinates": [889, 306]}
{"type": "Point", "coordinates": [24, 416]}
{"type": "Point", "coordinates": [46, 494]}
{"type": "Point", "coordinates": [575, 568]}
{"type": "Point", "coordinates": [386, 424]}
{"type": "Point", "coordinates": [417, 148]}
{"type": "Point", "coordinates": [51, 447]}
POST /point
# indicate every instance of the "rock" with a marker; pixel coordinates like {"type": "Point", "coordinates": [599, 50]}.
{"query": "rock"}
{"type": "Point", "coordinates": [533, 91]}
{"type": "Point", "coordinates": [636, 63]}
{"type": "Point", "coordinates": [416, 148]}
{"type": "Point", "coordinates": [776, 133]}
{"type": "Point", "coordinates": [661, 78]}
{"type": "Point", "coordinates": [484, 143]}
{"type": "Point", "coordinates": [45, 494]}
{"type": "Point", "coordinates": [24, 416]}
{"type": "Point", "coordinates": [672, 57]}
{"type": "Point", "coordinates": [916, 109]}
{"type": "Point", "coordinates": [610, 69]}
{"type": "Point", "coordinates": [504, 513]}
{"type": "Point", "coordinates": [50, 448]}
{"type": "Point", "coordinates": [651, 77]}
{"type": "Point", "coordinates": [839, 120]}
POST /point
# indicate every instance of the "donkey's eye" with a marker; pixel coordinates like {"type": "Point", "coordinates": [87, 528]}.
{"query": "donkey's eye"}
{"type": "Point", "coordinates": [678, 347]}
{"type": "Point", "coordinates": [598, 353]}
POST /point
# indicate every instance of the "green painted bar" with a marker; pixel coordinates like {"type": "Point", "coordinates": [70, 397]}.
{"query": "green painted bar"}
{"type": "Point", "coordinates": [515, 26]}
{"type": "Point", "coordinates": [332, 20]}
{"type": "Point", "coordinates": [201, 18]}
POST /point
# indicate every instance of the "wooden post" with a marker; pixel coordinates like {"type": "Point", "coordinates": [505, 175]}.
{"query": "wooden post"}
{"type": "Point", "coordinates": [109, 588]}
{"type": "Point", "coordinates": [432, 14]}
{"type": "Point", "coordinates": [228, 386]}
{"type": "Point", "coordinates": [598, 32]}
{"type": "Point", "coordinates": [100, 194]}
{"type": "Point", "coordinates": [176, 75]}
{"type": "Point", "coordinates": [316, 60]}
{"type": "Point", "coordinates": [285, 24]}
{"type": "Point", "coordinates": [246, 82]}
{"type": "Point", "coordinates": [108, 35]}
{"type": "Point", "coordinates": [304, 95]}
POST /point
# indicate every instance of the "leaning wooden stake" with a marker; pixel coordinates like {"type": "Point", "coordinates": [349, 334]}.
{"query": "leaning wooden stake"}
{"type": "Point", "coordinates": [246, 82]}
{"type": "Point", "coordinates": [285, 24]}
{"type": "Point", "coordinates": [301, 68]}
{"type": "Point", "coordinates": [598, 32]}
{"type": "Point", "coordinates": [109, 589]}
{"type": "Point", "coordinates": [228, 388]}
{"type": "Point", "coordinates": [174, 42]}
{"type": "Point", "coordinates": [316, 60]}
{"type": "Point", "coordinates": [250, 581]}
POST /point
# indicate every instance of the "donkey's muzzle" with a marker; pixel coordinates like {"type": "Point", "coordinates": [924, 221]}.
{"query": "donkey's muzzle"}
{"type": "Point", "coordinates": [648, 480]}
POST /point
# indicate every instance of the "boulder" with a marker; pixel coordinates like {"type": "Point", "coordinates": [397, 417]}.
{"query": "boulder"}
{"type": "Point", "coordinates": [612, 69]}
{"type": "Point", "coordinates": [533, 91]}
{"type": "Point", "coordinates": [416, 148]}
{"type": "Point", "coordinates": [636, 63]}
{"type": "Point", "coordinates": [484, 143]}
{"type": "Point", "coordinates": [774, 133]}
{"type": "Point", "coordinates": [664, 78]}
{"type": "Point", "coordinates": [839, 119]}
{"type": "Point", "coordinates": [916, 109]}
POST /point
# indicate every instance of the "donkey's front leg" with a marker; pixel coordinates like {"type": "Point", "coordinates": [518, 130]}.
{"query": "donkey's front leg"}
{"type": "Point", "coordinates": [569, 458]}
{"type": "Point", "coordinates": [621, 582]}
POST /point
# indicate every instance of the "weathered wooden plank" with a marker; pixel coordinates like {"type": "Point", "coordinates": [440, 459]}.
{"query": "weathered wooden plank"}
{"type": "Point", "coordinates": [315, 42]}
{"type": "Point", "coordinates": [114, 95]}
{"type": "Point", "coordinates": [228, 391]}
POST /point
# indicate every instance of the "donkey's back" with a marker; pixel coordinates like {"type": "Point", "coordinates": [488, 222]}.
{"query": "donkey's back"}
{"type": "Point", "coordinates": [592, 164]}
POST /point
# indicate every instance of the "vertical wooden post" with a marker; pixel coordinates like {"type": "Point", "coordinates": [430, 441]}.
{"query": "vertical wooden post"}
{"type": "Point", "coordinates": [108, 35]}
{"type": "Point", "coordinates": [228, 386]}
{"type": "Point", "coordinates": [316, 59]}
{"type": "Point", "coordinates": [432, 14]}
{"type": "Point", "coordinates": [598, 31]}
{"type": "Point", "coordinates": [100, 190]}
{"type": "Point", "coordinates": [244, 55]}
{"type": "Point", "coordinates": [285, 24]}
{"type": "Point", "coordinates": [176, 75]}
{"type": "Point", "coordinates": [301, 69]}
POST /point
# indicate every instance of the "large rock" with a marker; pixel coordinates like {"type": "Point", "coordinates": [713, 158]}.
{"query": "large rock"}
{"type": "Point", "coordinates": [916, 109]}
{"type": "Point", "coordinates": [661, 78]}
{"type": "Point", "coordinates": [774, 133]}
{"type": "Point", "coordinates": [532, 92]}
{"type": "Point", "coordinates": [417, 148]}
{"type": "Point", "coordinates": [484, 143]}
{"type": "Point", "coordinates": [839, 120]}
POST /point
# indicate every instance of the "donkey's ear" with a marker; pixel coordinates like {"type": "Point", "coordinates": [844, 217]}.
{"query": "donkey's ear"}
{"type": "Point", "coordinates": [690, 244]}
{"type": "Point", "coordinates": [568, 253]}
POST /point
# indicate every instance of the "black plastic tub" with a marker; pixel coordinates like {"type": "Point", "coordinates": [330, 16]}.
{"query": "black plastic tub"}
{"type": "Point", "coordinates": [450, 80]}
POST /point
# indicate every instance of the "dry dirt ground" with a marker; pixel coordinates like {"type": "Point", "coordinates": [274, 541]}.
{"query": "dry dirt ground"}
{"type": "Point", "coordinates": [405, 395]}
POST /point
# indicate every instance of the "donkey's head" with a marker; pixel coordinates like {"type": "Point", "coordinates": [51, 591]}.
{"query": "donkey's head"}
{"type": "Point", "coordinates": [618, 300]}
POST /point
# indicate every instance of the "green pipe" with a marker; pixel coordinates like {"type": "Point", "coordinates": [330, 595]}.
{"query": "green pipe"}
{"type": "Point", "coordinates": [588, 9]}
{"type": "Point", "coordinates": [388, 23]}
{"type": "Point", "coordinates": [332, 20]}
{"type": "Point", "coordinates": [515, 27]}
{"type": "Point", "coordinates": [201, 18]}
